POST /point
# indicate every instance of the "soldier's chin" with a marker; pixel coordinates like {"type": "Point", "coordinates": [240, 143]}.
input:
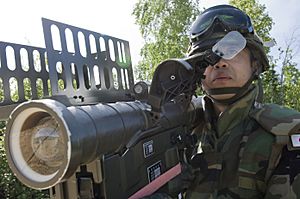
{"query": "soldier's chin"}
{"type": "Point", "coordinates": [223, 96]}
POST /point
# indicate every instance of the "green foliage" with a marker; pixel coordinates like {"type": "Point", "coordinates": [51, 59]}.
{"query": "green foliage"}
{"type": "Point", "coordinates": [164, 27]}
{"type": "Point", "coordinates": [271, 85]}
{"type": "Point", "coordinates": [291, 88]}
{"type": "Point", "coordinates": [1, 90]}
{"type": "Point", "coordinates": [290, 79]}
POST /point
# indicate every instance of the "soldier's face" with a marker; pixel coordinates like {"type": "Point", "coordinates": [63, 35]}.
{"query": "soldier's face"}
{"type": "Point", "coordinates": [228, 73]}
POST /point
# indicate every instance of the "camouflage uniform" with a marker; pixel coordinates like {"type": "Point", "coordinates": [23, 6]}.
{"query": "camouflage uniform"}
{"type": "Point", "coordinates": [246, 152]}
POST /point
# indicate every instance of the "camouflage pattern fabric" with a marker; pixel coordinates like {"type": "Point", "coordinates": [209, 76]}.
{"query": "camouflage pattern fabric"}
{"type": "Point", "coordinates": [247, 152]}
{"type": "Point", "coordinates": [281, 122]}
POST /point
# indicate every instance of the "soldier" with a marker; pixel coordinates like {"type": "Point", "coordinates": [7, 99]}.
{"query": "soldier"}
{"type": "Point", "coordinates": [245, 149]}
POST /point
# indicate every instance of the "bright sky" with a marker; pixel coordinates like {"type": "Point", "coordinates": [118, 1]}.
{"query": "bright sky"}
{"type": "Point", "coordinates": [21, 20]}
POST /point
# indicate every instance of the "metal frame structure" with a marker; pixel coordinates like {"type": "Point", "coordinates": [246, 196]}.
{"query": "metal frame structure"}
{"type": "Point", "coordinates": [77, 67]}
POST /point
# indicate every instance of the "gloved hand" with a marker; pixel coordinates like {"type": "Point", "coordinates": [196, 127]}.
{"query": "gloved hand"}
{"type": "Point", "coordinates": [183, 181]}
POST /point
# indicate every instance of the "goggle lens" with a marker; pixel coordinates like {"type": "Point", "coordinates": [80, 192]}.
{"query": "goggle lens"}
{"type": "Point", "coordinates": [232, 18]}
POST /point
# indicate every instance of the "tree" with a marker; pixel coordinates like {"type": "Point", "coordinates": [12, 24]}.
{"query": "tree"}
{"type": "Point", "coordinates": [164, 27]}
{"type": "Point", "coordinates": [290, 75]}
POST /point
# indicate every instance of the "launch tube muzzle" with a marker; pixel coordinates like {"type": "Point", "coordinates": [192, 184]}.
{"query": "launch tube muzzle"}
{"type": "Point", "coordinates": [46, 141]}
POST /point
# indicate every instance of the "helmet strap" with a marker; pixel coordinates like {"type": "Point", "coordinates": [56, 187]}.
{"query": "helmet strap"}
{"type": "Point", "coordinates": [259, 97]}
{"type": "Point", "coordinates": [238, 91]}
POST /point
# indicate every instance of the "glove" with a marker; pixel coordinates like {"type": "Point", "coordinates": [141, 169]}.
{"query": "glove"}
{"type": "Point", "coordinates": [183, 181]}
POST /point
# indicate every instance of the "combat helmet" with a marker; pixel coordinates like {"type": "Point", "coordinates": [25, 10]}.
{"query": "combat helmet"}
{"type": "Point", "coordinates": [212, 25]}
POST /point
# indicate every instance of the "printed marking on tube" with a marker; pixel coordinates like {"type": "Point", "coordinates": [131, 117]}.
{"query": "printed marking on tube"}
{"type": "Point", "coordinates": [148, 148]}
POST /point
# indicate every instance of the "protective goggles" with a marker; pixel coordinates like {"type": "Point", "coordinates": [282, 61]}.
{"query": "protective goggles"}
{"type": "Point", "coordinates": [231, 18]}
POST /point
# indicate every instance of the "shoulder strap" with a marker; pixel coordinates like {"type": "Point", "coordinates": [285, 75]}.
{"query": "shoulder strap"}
{"type": "Point", "coordinates": [274, 159]}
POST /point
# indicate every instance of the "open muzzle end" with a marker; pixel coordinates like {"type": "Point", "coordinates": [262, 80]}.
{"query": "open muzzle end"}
{"type": "Point", "coordinates": [37, 144]}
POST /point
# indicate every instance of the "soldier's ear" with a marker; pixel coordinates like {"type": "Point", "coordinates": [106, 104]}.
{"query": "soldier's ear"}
{"type": "Point", "coordinates": [255, 66]}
